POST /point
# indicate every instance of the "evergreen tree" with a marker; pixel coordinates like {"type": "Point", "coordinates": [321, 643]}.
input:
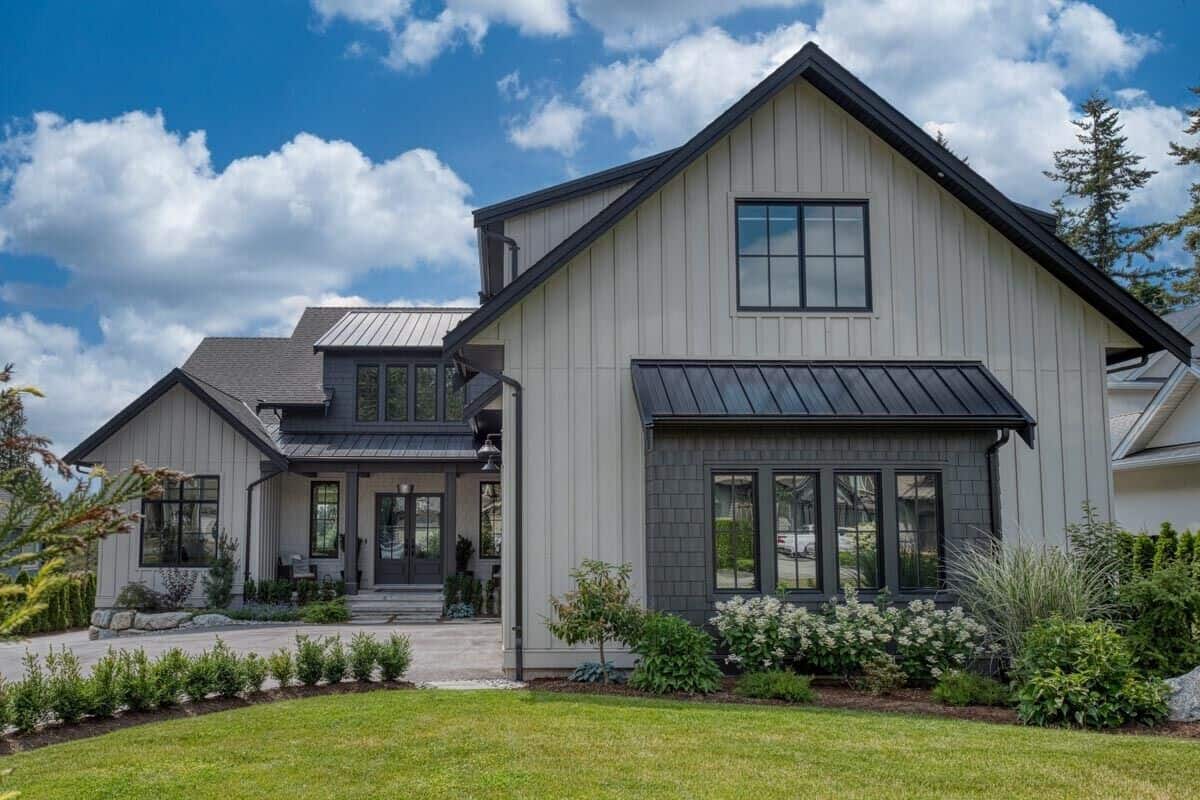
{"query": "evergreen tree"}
{"type": "Point", "coordinates": [942, 140]}
{"type": "Point", "coordinates": [1165, 547]}
{"type": "Point", "coordinates": [1185, 288]}
{"type": "Point", "coordinates": [1100, 175]}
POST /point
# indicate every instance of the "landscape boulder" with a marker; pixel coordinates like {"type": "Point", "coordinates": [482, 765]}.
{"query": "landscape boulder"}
{"type": "Point", "coordinates": [204, 620]}
{"type": "Point", "coordinates": [1183, 705]}
{"type": "Point", "coordinates": [121, 620]}
{"type": "Point", "coordinates": [160, 622]}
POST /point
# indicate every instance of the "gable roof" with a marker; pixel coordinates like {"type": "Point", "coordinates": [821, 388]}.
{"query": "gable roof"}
{"type": "Point", "coordinates": [1186, 321]}
{"type": "Point", "coordinates": [1161, 407]}
{"type": "Point", "coordinates": [392, 328]}
{"type": "Point", "coordinates": [835, 82]}
{"type": "Point", "coordinates": [234, 411]}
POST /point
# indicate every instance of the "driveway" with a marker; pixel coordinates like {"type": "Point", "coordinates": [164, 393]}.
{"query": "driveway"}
{"type": "Point", "coordinates": [441, 652]}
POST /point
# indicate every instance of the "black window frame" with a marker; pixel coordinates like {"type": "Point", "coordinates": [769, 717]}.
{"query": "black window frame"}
{"type": "Point", "coordinates": [799, 204]}
{"type": "Point", "coordinates": [755, 537]}
{"type": "Point", "coordinates": [417, 366]}
{"type": "Point", "coordinates": [179, 501]}
{"type": "Point", "coordinates": [494, 516]}
{"type": "Point", "coordinates": [819, 556]}
{"type": "Point", "coordinates": [408, 391]}
{"type": "Point", "coordinates": [446, 381]}
{"type": "Point", "coordinates": [939, 501]}
{"type": "Point", "coordinates": [359, 368]}
{"type": "Point", "coordinates": [880, 524]}
{"type": "Point", "coordinates": [312, 518]}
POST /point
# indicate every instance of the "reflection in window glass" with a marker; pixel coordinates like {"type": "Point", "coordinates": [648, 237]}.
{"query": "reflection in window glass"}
{"type": "Point", "coordinates": [735, 531]}
{"type": "Point", "coordinates": [918, 525]}
{"type": "Point", "coordinates": [397, 393]}
{"type": "Point", "coordinates": [179, 529]}
{"type": "Point", "coordinates": [428, 527]}
{"type": "Point", "coordinates": [323, 524]}
{"type": "Point", "coordinates": [427, 391]}
{"type": "Point", "coordinates": [454, 397]}
{"type": "Point", "coordinates": [797, 549]}
{"type": "Point", "coordinates": [491, 520]}
{"type": "Point", "coordinates": [366, 403]}
{"type": "Point", "coordinates": [856, 514]}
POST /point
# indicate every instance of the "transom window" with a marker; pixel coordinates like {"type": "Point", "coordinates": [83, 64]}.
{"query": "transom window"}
{"type": "Point", "coordinates": [323, 522]}
{"type": "Point", "coordinates": [179, 529]}
{"type": "Point", "coordinates": [918, 521]}
{"type": "Point", "coordinates": [491, 520]}
{"type": "Point", "coordinates": [735, 527]}
{"type": "Point", "coordinates": [802, 256]}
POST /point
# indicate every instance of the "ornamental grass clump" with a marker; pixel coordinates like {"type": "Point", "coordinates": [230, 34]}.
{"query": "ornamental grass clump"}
{"type": "Point", "coordinates": [763, 633]}
{"type": "Point", "coordinates": [930, 640]}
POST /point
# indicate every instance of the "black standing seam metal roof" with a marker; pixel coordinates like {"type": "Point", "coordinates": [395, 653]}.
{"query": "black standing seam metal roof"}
{"type": "Point", "coordinates": [930, 392]}
{"type": "Point", "coordinates": [857, 99]}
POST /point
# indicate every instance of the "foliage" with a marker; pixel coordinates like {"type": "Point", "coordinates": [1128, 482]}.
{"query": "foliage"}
{"type": "Point", "coordinates": [1164, 547]}
{"type": "Point", "coordinates": [595, 672]}
{"type": "Point", "coordinates": [103, 691]}
{"type": "Point", "coordinates": [68, 605]}
{"type": "Point", "coordinates": [464, 548]}
{"type": "Point", "coordinates": [260, 612]}
{"type": "Point", "coordinates": [491, 596]}
{"type": "Point", "coordinates": [40, 526]}
{"type": "Point", "coordinates": [326, 612]}
{"type": "Point", "coordinates": [776, 684]}
{"type": "Point", "coordinates": [394, 657]}
{"type": "Point", "coordinates": [462, 590]}
{"type": "Point", "coordinates": [135, 681]}
{"type": "Point", "coordinates": [460, 611]}
{"type": "Point", "coordinates": [168, 671]}
{"type": "Point", "coordinates": [960, 687]}
{"type": "Point", "coordinates": [306, 592]}
{"type": "Point", "coordinates": [218, 578]}
{"type": "Point", "coordinates": [675, 657]}
{"type": "Point", "coordinates": [282, 667]}
{"type": "Point", "coordinates": [29, 698]}
{"type": "Point", "coordinates": [201, 678]}
{"type": "Point", "coordinates": [851, 634]}
{"type": "Point", "coordinates": [762, 633]}
{"type": "Point", "coordinates": [1082, 673]}
{"type": "Point", "coordinates": [140, 597]}
{"type": "Point", "coordinates": [364, 651]}
{"type": "Point", "coordinates": [600, 608]}
{"type": "Point", "coordinates": [1099, 545]}
{"type": "Point", "coordinates": [930, 640]}
{"type": "Point", "coordinates": [336, 663]}
{"type": "Point", "coordinates": [254, 670]}
{"type": "Point", "coordinates": [880, 675]}
{"type": "Point", "coordinates": [310, 660]}
{"type": "Point", "coordinates": [227, 670]}
{"type": "Point", "coordinates": [1010, 588]}
{"type": "Point", "coordinates": [275, 592]}
{"type": "Point", "coordinates": [1143, 556]}
{"type": "Point", "coordinates": [177, 584]}
{"type": "Point", "coordinates": [66, 686]}
{"type": "Point", "coordinates": [1163, 612]}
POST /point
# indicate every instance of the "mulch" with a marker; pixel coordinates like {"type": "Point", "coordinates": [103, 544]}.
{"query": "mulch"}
{"type": "Point", "coordinates": [835, 695]}
{"type": "Point", "coordinates": [87, 728]}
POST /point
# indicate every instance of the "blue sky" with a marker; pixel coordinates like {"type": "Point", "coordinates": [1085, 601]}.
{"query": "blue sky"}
{"type": "Point", "coordinates": [209, 168]}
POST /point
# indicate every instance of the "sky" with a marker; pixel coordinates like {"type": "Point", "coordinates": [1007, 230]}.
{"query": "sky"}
{"type": "Point", "coordinates": [170, 171]}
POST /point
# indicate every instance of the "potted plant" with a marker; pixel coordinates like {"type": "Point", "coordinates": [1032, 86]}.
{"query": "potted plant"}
{"type": "Point", "coordinates": [463, 550]}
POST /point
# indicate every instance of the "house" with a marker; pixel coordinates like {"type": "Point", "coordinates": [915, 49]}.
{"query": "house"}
{"type": "Point", "coordinates": [1154, 417]}
{"type": "Point", "coordinates": [807, 350]}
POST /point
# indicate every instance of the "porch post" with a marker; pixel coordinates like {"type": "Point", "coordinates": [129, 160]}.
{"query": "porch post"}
{"type": "Point", "coordinates": [449, 523]}
{"type": "Point", "coordinates": [350, 550]}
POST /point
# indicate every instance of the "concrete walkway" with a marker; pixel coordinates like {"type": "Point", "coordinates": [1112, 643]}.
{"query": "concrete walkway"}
{"type": "Point", "coordinates": [441, 652]}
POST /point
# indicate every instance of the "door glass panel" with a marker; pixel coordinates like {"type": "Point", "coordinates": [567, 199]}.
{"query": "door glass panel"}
{"type": "Point", "coordinates": [428, 529]}
{"type": "Point", "coordinates": [390, 526]}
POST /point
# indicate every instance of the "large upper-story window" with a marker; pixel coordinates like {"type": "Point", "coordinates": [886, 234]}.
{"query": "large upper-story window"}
{"type": "Point", "coordinates": [366, 393]}
{"type": "Point", "coordinates": [427, 392]}
{"type": "Point", "coordinates": [802, 256]}
{"type": "Point", "coordinates": [399, 391]}
{"type": "Point", "coordinates": [396, 399]}
{"type": "Point", "coordinates": [179, 529]}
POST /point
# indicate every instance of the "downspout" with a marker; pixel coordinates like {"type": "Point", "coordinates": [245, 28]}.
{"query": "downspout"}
{"type": "Point", "coordinates": [249, 516]}
{"type": "Point", "coordinates": [518, 602]}
{"type": "Point", "coordinates": [993, 468]}
{"type": "Point", "coordinates": [514, 249]}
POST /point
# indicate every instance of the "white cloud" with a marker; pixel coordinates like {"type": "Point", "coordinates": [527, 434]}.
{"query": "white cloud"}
{"type": "Point", "coordinates": [553, 125]}
{"type": "Point", "coordinates": [511, 88]}
{"type": "Point", "coordinates": [1089, 44]}
{"type": "Point", "coordinates": [380, 14]}
{"type": "Point", "coordinates": [629, 24]}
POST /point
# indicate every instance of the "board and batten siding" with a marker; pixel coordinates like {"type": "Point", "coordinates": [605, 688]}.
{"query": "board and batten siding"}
{"type": "Point", "coordinates": [541, 230]}
{"type": "Point", "coordinates": [178, 431]}
{"type": "Point", "coordinates": [661, 284]}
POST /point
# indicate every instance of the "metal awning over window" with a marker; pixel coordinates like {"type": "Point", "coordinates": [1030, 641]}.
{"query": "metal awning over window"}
{"type": "Point", "coordinates": [940, 393]}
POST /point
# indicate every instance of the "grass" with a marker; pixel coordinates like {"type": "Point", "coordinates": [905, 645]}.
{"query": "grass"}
{"type": "Point", "coordinates": [426, 743]}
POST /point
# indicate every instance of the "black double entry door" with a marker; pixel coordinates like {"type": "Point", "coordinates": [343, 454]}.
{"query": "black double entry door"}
{"type": "Point", "coordinates": [408, 538]}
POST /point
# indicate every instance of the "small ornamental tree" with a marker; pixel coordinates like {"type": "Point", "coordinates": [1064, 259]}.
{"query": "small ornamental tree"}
{"type": "Point", "coordinates": [599, 610]}
{"type": "Point", "coordinates": [218, 581]}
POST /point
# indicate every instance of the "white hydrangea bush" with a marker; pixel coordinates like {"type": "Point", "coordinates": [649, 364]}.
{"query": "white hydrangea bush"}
{"type": "Point", "coordinates": [930, 641]}
{"type": "Point", "coordinates": [763, 633]}
{"type": "Point", "coordinates": [852, 633]}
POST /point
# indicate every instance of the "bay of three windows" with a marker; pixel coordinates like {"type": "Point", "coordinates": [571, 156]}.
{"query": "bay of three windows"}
{"type": "Point", "coordinates": [406, 393]}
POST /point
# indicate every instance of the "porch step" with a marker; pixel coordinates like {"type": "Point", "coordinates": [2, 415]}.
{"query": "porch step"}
{"type": "Point", "coordinates": [396, 604]}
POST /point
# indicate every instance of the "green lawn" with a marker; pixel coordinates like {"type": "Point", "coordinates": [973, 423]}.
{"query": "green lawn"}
{"type": "Point", "coordinates": [498, 744]}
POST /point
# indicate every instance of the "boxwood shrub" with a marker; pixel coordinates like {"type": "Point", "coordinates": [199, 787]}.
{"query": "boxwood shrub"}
{"type": "Point", "coordinates": [675, 657]}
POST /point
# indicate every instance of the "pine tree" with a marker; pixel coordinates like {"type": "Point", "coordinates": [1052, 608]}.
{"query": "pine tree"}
{"type": "Point", "coordinates": [1165, 547]}
{"type": "Point", "coordinates": [1143, 556]}
{"type": "Point", "coordinates": [1101, 174]}
{"type": "Point", "coordinates": [1185, 288]}
{"type": "Point", "coordinates": [942, 140]}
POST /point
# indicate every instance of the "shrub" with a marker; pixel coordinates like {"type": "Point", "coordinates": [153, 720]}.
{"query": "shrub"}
{"type": "Point", "coordinates": [394, 658]}
{"type": "Point", "coordinates": [460, 611]}
{"type": "Point", "coordinates": [1165, 547]}
{"type": "Point", "coordinates": [464, 548]}
{"type": "Point", "coordinates": [135, 681]}
{"type": "Point", "coordinates": [1010, 588]}
{"type": "Point", "coordinates": [249, 591]}
{"type": "Point", "coordinates": [29, 698]}
{"type": "Point", "coordinates": [675, 657]}
{"type": "Point", "coordinates": [177, 584]}
{"type": "Point", "coordinates": [1187, 549]}
{"type": "Point", "coordinates": [282, 667]}
{"type": "Point", "coordinates": [930, 640]}
{"type": "Point", "coordinates": [310, 660]}
{"type": "Point", "coordinates": [306, 592]}
{"type": "Point", "coordinates": [960, 687]}
{"type": "Point", "coordinates": [326, 611]}
{"type": "Point", "coordinates": [595, 672]}
{"type": "Point", "coordinates": [66, 686]}
{"type": "Point", "coordinates": [364, 652]}
{"type": "Point", "coordinates": [201, 678]}
{"type": "Point", "coordinates": [775, 684]}
{"type": "Point", "coordinates": [1143, 555]}
{"type": "Point", "coordinates": [336, 663]}
{"type": "Point", "coordinates": [169, 671]}
{"type": "Point", "coordinates": [763, 633]}
{"type": "Point", "coordinates": [218, 578]}
{"type": "Point", "coordinates": [1163, 611]}
{"type": "Point", "coordinates": [227, 671]}
{"type": "Point", "coordinates": [599, 609]}
{"type": "Point", "coordinates": [103, 691]}
{"type": "Point", "coordinates": [491, 596]}
{"type": "Point", "coordinates": [880, 675]}
{"type": "Point", "coordinates": [261, 612]}
{"type": "Point", "coordinates": [140, 597]}
{"type": "Point", "coordinates": [254, 671]}
{"type": "Point", "coordinates": [1082, 673]}
{"type": "Point", "coordinates": [851, 634]}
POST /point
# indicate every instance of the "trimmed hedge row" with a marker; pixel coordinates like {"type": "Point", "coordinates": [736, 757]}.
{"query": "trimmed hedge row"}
{"type": "Point", "coordinates": [68, 606]}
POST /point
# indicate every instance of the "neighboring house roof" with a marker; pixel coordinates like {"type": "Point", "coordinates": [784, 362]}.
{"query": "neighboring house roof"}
{"type": "Point", "coordinates": [833, 80]}
{"type": "Point", "coordinates": [1138, 437]}
{"type": "Point", "coordinates": [378, 446]}
{"type": "Point", "coordinates": [397, 327]}
{"type": "Point", "coordinates": [1184, 320]}
{"type": "Point", "coordinates": [1119, 425]}
{"type": "Point", "coordinates": [1160, 457]}
{"type": "Point", "coordinates": [825, 392]}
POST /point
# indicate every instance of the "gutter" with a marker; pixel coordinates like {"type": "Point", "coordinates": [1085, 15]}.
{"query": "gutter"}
{"type": "Point", "coordinates": [518, 601]}
{"type": "Point", "coordinates": [249, 517]}
{"type": "Point", "coordinates": [993, 468]}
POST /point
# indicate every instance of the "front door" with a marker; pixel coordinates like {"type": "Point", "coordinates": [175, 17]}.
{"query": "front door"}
{"type": "Point", "coordinates": [408, 538]}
